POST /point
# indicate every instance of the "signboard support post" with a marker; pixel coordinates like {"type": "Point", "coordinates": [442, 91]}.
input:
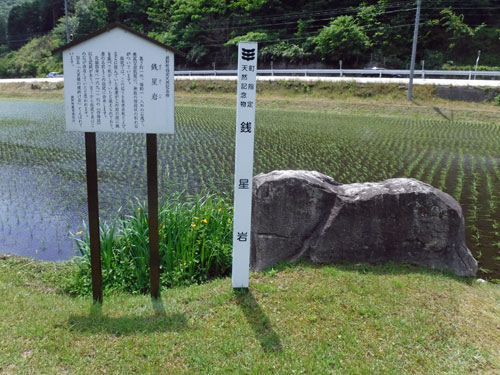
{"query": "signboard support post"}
{"type": "Point", "coordinates": [93, 204]}
{"type": "Point", "coordinates": [152, 172]}
{"type": "Point", "coordinates": [120, 81]}
{"type": "Point", "coordinates": [243, 169]}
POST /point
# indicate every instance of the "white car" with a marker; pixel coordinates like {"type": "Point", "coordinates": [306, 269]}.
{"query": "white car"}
{"type": "Point", "coordinates": [53, 75]}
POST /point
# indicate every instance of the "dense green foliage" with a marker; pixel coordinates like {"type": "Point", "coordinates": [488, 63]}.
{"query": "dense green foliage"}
{"type": "Point", "coordinates": [34, 59]}
{"type": "Point", "coordinates": [289, 32]}
{"type": "Point", "coordinates": [195, 245]}
{"type": "Point", "coordinates": [6, 6]}
{"type": "Point", "coordinates": [342, 39]}
{"type": "Point", "coordinates": [32, 18]}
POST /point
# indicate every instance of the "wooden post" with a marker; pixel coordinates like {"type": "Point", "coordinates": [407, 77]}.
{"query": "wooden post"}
{"type": "Point", "coordinates": [152, 175]}
{"type": "Point", "coordinates": [93, 204]}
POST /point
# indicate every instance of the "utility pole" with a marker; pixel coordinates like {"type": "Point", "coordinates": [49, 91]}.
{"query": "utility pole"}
{"type": "Point", "coordinates": [66, 15]}
{"type": "Point", "coordinates": [477, 62]}
{"type": "Point", "coordinates": [414, 50]}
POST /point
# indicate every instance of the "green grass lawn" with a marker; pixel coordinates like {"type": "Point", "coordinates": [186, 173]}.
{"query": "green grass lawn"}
{"type": "Point", "coordinates": [301, 319]}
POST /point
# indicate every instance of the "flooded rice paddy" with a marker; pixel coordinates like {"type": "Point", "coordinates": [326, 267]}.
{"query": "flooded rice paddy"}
{"type": "Point", "coordinates": [43, 185]}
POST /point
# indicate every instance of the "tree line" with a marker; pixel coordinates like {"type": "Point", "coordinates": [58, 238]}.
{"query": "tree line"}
{"type": "Point", "coordinates": [289, 32]}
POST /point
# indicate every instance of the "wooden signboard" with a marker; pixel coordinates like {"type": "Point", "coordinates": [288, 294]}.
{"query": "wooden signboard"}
{"type": "Point", "coordinates": [118, 80]}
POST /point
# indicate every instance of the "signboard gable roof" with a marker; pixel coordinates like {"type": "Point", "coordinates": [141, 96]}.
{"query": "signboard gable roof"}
{"type": "Point", "coordinates": [111, 27]}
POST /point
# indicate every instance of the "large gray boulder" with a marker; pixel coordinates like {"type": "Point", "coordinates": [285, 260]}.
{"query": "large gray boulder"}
{"type": "Point", "coordinates": [303, 214]}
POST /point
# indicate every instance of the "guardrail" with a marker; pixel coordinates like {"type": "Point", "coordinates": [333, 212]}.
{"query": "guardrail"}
{"type": "Point", "coordinates": [346, 72]}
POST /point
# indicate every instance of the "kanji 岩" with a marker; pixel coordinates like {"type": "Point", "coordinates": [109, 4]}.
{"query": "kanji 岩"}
{"type": "Point", "coordinates": [243, 183]}
{"type": "Point", "coordinates": [246, 127]}
{"type": "Point", "coordinates": [242, 236]}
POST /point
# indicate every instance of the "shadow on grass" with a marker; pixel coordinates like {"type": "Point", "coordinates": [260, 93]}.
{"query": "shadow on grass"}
{"type": "Point", "coordinates": [258, 320]}
{"type": "Point", "coordinates": [158, 306]}
{"type": "Point", "coordinates": [438, 111]}
{"type": "Point", "coordinates": [96, 322]}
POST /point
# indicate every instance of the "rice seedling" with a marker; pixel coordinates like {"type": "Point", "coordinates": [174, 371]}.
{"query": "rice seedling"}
{"type": "Point", "coordinates": [48, 166]}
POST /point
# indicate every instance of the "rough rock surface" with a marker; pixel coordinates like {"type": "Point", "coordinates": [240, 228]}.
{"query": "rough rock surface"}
{"type": "Point", "coordinates": [466, 94]}
{"type": "Point", "coordinates": [303, 214]}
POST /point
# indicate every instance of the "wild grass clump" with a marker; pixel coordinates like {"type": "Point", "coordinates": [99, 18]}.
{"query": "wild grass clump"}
{"type": "Point", "coordinates": [195, 235]}
{"type": "Point", "coordinates": [496, 100]}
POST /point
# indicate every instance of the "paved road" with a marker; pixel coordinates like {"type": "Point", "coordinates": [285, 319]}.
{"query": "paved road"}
{"type": "Point", "coordinates": [31, 80]}
{"type": "Point", "coordinates": [417, 81]}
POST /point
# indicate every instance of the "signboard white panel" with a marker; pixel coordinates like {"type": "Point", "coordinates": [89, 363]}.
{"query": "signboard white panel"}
{"type": "Point", "coordinates": [243, 171]}
{"type": "Point", "coordinates": [119, 82]}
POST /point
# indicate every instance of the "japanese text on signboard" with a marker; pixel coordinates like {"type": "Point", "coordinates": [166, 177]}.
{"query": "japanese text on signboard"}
{"type": "Point", "coordinates": [118, 81]}
{"type": "Point", "coordinates": [105, 79]}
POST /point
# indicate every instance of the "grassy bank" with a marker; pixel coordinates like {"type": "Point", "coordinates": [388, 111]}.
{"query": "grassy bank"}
{"type": "Point", "coordinates": [302, 319]}
{"type": "Point", "coordinates": [32, 91]}
{"type": "Point", "coordinates": [383, 99]}
{"type": "Point", "coordinates": [339, 97]}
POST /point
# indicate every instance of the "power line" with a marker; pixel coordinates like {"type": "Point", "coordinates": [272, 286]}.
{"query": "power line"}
{"type": "Point", "coordinates": [312, 14]}
{"type": "Point", "coordinates": [306, 37]}
{"type": "Point", "coordinates": [295, 22]}
{"type": "Point", "coordinates": [309, 23]}
{"type": "Point", "coordinates": [333, 11]}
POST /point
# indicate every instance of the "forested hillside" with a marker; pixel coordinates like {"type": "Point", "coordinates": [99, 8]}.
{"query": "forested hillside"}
{"type": "Point", "coordinates": [290, 33]}
{"type": "Point", "coordinates": [5, 6]}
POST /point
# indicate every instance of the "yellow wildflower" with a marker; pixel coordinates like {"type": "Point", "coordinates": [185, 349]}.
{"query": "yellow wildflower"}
{"type": "Point", "coordinates": [196, 217]}
{"type": "Point", "coordinates": [193, 225]}
{"type": "Point", "coordinates": [229, 220]}
{"type": "Point", "coordinates": [79, 233]}
{"type": "Point", "coordinates": [204, 221]}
